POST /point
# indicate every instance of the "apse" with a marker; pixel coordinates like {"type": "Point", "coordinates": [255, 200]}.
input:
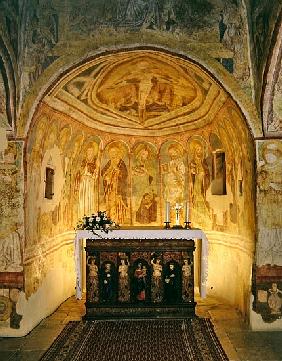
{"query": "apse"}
{"type": "Point", "coordinates": [127, 132]}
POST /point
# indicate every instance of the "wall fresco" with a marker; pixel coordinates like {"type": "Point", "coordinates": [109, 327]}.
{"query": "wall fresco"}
{"type": "Point", "coordinates": [40, 35]}
{"type": "Point", "coordinates": [264, 15]}
{"type": "Point", "coordinates": [145, 185]}
{"type": "Point", "coordinates": [4, 123]}
{"type": "Point", "coordinates": [115, 179]}
{"type": "Point", "coordinates": [268, 269]}
{"type": "Point", "coordinates": [86, 181]}
{"type": "Point", "coordinates": [132, 181]}
{"type": "Point", "coordinates": [9, 12]}
{"type": "Point", "coordinates": [199, 181]}
{"type": "Point", "coordinates": [271, 104]}
{"type": "Point", "coordinates": [8, 314]}
{"type": "Point", "coordinates": [275, 121]}
{"type": "Point", "coordinates": [100, 164]}
{"type": "Point", "coordinates": [267, 292]}
{"type": "Point", "coordinates": [145, 90]}
{"type": "Point", "coordinates": [269, 198]}
{"type": "Point", "coordinates": [11, 203]}
{"type": "Point", "coordinates": [11, 233]}
{"type": "Point", "coordinates": [50, 25]}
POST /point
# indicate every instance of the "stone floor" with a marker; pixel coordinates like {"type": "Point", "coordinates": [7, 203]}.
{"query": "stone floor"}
{"type": "Point", "coordinates": [239, 342]}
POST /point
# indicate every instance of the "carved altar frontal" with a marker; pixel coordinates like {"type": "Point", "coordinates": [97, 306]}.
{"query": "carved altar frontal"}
{"type": "Point", "coordinates": [139, 278]}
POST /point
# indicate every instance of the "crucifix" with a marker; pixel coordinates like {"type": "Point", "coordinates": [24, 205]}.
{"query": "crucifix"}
{"type": "Point", "coordinates": [177, 208]}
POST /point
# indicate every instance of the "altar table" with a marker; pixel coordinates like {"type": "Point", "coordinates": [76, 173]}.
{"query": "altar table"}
{"type": "Point", "coordinates": [142, 234]}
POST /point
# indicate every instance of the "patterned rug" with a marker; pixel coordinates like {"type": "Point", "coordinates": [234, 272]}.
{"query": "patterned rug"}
{"type": "Point", "coordinates": [134, 340]}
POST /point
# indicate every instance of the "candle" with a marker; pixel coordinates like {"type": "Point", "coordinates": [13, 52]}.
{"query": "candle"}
{"type": "Point", "coordinates": [187, 212]}
{"type": "Point", "coordinates": [167, 212]}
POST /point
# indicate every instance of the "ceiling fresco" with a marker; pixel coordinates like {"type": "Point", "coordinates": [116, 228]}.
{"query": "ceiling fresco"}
{"type": "Point", "coordinates": [139, 92]}
{"type": "Point", "coordinates": [272, 97]}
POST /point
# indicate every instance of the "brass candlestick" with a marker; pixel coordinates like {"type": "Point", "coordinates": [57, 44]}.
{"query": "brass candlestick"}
{"type": "Point", "coordinates": [187, 225]}
{"type": "Point", "coordinates": [167, 225]}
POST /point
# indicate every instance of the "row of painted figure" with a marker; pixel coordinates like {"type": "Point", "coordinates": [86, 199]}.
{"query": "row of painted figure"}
{"type": "Point", "coordinates": [141, 282]}
{"type": "Point", "coordinates": [114, 183]}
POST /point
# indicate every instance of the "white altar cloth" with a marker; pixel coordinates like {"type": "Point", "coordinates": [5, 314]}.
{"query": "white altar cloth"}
{"type": "Point", "coordinates": [142, 234]}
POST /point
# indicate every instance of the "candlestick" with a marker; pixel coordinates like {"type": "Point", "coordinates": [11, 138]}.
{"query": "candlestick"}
{"type": "Point", "coordinates": [186, 212]}
{"type": "Point", "coordinates": [167, 212]}
{"type": "Point", "coordinates": [167, 225]}
{"type": "Point", "coordinates": [187, 225]}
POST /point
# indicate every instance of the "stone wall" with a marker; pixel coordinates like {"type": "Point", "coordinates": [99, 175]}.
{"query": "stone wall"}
{"type": "Point", "coordinates": [267, 272]}
{"type": "Point", "coordinates": [11, 233]}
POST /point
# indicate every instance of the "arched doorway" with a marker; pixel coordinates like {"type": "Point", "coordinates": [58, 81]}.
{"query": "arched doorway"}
{"type": "Point", "coordinates": [126, 132]}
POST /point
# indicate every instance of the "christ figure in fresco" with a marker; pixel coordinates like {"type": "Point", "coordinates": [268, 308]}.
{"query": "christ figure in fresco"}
{"type": "Point", "coordinates": [115, 178]}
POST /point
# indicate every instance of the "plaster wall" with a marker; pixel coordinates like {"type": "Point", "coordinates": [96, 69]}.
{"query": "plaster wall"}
{"type": "Point", "coordinates": [229, 272]}
{"type": "Point", "coordinates": [57, 284]}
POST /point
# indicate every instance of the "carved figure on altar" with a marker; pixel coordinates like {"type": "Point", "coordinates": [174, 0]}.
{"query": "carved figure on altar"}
{"type": "Point", "coordinates": [172, 282]}
{"type": "Point", "coordinates": [140, 282]}
{"type": "Point", "coordinates": [93, 280]}
{"type": "Point", "coordinates": [156, 287]}
{"type": "Point", "coordinates": [124, 288]}
{"type": "Point", "coordinates": [115, 179]}
{"type": "Point", "coordinates": [108, 284]}
{"type": "Point", "coordinates": [174, 175]}
{"type": "Point", "coordinates": [186, 276]}
{"type": "Point", "coordinates": [87, 182]}
{"type": "Point", "coordinates": [199, 183]}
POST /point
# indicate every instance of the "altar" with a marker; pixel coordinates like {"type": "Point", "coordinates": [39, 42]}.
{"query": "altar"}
{"type": "Point", "coordinates": [129, 271]}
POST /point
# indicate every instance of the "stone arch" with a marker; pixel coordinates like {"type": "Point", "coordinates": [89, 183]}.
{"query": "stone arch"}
{"type": "Point", "coordinates": [61, 218]}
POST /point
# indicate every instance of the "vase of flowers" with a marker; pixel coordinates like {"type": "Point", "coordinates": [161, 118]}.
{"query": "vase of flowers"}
{"type": "Point", "coordinates": [97, 222]}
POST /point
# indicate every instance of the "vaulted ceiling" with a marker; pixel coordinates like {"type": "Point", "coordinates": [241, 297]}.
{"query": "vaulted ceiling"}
{"type": "Point", "coordinates": [139, 92]}
{"type": "Point", "coordinates": [40, 38]}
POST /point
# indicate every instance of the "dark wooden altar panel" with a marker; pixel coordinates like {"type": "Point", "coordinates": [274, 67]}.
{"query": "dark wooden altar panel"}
{"type": "Point", "coordinates": [139, 278]}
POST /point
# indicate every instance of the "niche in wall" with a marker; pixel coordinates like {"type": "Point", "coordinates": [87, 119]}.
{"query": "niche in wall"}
{"type": "Point", "coordinates": [218, 182]}
{"type": "Point", "coordinates": [49, 183]}
{"type": "Point", "coordinates": [218, 185]}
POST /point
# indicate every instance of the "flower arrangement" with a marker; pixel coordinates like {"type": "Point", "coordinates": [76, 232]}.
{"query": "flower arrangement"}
{"type": "Point", "coordinates": [97, 221]}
